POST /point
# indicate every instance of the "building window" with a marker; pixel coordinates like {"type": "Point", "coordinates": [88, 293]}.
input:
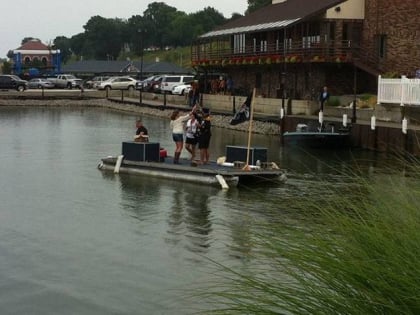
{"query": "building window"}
{"type": "Point", "coordinates": [27, 60]}
{"type": "Point", "coordinates": [263, 46]}
{"type": "Point", "coordinates": [382, 46]}
{"type": "Point", "coordinates": [239, 43]}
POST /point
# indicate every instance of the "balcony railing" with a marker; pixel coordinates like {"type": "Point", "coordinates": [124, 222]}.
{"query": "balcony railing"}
{"type": "Point", "coordinates": [332, 51]}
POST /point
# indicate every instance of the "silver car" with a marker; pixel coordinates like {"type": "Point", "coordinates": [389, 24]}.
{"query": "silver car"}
{"type": "Point", "coordinates": [94, 82]}
{"type": "Point", "coordinates": [118, 83]}
{"type": "Point", "coordinates": [40, 83]}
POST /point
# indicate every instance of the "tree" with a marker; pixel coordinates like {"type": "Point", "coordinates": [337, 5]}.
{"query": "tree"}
{"type": "Point", "coordinates": [157, 21]}
{"type": "Point", "coordinates": [104, 37]}
{"type": "Point", "coordinates": [254, 5]}
{"type": "Point", "coordinates": [235, 16]}
{"type": "Point", "coordinates": [6, 68]}
{"type": "Point", "coordinates": [204, 21]}
{"type": "Point", "coordinates": [64, 44]}
{"type": "Point", "coordinates": [79, 45]}
{"type": "Point", "coordinates": [137, 33]}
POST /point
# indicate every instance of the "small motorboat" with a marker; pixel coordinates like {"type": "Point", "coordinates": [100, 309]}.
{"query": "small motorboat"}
{"type": "Point", "coordinates": [327, 137]}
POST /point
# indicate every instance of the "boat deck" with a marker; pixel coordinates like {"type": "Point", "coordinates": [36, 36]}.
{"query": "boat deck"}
{"type": "Point", "coordinates": [211, 173]}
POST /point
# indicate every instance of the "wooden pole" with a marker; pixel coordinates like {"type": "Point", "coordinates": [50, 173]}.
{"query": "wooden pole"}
{"type": "Point", "coordinates": [251, 118]}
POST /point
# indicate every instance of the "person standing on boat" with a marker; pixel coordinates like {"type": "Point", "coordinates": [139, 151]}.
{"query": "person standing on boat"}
{"type": "Point", "coordinates": [205, 135]}
{"type": "Point", "coordinates": [191, 135]}
{"type": "Point", "coordinates": [323, 97]}
{"type": "Point", "coordinates": [141, 132]}
{"type": "Point", "coordinates": [177, 126]}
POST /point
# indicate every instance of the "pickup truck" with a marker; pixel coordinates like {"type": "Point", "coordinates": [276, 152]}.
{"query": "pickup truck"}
{"type": "Point", "coordinates": [68, 81]}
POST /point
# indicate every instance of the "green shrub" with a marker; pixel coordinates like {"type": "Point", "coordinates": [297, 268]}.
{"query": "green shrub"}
{"type": "Point", "coordinates": [334, 101]}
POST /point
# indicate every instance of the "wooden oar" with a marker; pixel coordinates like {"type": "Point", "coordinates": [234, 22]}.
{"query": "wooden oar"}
{"type": "Point", "coordinates": [251, 117]}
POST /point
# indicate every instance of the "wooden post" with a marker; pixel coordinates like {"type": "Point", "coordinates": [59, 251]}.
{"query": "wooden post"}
{"type": "Point", "coordinates": [233, 105]}
{"type": "Point", "coordinates": [251, 118]}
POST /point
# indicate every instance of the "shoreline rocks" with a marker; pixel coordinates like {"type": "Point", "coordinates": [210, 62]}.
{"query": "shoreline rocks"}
{"type": "Point", "coordinates": [222, 121]}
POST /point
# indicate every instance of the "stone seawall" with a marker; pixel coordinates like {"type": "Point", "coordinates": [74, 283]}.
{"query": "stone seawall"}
{"type": "Point", "coordinates": [222, 121]}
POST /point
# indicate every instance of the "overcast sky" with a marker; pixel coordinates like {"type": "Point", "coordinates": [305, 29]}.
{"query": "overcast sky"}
{"type": "Point", "coordinates": [47, 19]}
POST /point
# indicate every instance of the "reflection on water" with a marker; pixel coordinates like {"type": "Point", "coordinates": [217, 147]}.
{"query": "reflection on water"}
{"type": "Point", "coordinates": [185, 206]}
{"type": "Point", "coordinates": [101, 243]}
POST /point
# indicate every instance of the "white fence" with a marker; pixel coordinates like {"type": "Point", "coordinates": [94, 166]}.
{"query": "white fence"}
{"type": "Point", "coordinates": [399, 91]}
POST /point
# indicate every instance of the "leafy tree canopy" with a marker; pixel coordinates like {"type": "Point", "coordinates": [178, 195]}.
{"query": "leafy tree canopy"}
{"type": "Point", "coordinates": [159, 26]}
{"type": "Point", "coordinates": [254, 5]}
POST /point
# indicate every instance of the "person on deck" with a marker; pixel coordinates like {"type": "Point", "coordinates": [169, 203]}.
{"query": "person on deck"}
{"type": "Point", "coordinates": [204, 139]}
{"type": "Point", "coordinates": [191, 135]}
{"type": "Point", "coordinates": [177, 126]}
{"type": "Point", "coordinates": [323, 97]}
{"type": "Point", "coordinates": [195, 93]}
{"type": "Point", "coordinates": [141, 132]}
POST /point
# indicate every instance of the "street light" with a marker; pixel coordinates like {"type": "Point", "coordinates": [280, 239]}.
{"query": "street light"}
{"type": "Point", "coordinates": [141, 32]}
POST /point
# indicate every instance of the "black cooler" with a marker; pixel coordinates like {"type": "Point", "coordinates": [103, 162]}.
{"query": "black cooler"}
{"type": "Point", "coordinates": [141, 151]}
{"type": "Point", "coordinates": [238, 153]}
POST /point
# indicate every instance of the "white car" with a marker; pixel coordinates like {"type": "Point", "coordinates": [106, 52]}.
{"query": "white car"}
{"type": "Point", "coordinates": [181, 89]}
{"type": "Point", "coordinates": [118, 83]}
{"type": "Point", "coordinates": [169, 81]}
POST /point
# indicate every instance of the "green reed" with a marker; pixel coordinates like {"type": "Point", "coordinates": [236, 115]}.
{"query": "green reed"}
{"type": "Point", "coordinates": [351, 249]}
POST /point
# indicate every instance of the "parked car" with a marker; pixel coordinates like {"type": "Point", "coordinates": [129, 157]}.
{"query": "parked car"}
{"type": "Point", "coordinates": [95, 81]}
{"type": "Point", "coordinates": [66, 81]}
{"type": "Point", "coordinates": [118, 83]}
{"type": "Point", "coordinates": [153, 85]}
{"type": "Point", "coordinates": [39, 83]}
{"type": "Point", "coordinates": [12, 82]}
{"type": "Point", "coordinates": [181, 89]}
{"type": "Point", "coordinates": [169, 81]}
{"type": "Point", "coordinates": [144, 84]}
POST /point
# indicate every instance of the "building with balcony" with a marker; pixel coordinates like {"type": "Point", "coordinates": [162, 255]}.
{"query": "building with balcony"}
{"type": "Point", "coordinates": [292, 48]}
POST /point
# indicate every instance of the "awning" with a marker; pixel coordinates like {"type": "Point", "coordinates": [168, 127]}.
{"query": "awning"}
{"type": "Point", "coordinates": [251, 28]}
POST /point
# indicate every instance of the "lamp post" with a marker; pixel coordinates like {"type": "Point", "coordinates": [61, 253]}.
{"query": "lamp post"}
{"type": "Point", "coordinates": [282, 110]}
{"type": "Point", "coordinates": [141, 32]}
{"type": "Point", "coordinates": [354, 118]}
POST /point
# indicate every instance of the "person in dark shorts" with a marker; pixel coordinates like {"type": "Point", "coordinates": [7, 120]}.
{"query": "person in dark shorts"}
{"type": "Point", "coordinates": [204, 140]}
{"type": "Point", "coordinates": [177, 127]}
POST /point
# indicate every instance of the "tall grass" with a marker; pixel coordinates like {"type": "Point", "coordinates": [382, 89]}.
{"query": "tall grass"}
{"type": "Point", "coordinates": [356, 250]}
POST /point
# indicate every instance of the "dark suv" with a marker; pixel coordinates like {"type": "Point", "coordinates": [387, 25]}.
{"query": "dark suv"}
{"type": "Point", "coordinates": [12, 82]}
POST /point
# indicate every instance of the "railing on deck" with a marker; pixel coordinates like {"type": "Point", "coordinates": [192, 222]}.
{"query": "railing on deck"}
{"type": "Point", "coordinates": [401, 91]}
{"type": "Point", "coordinates": [331, 51]}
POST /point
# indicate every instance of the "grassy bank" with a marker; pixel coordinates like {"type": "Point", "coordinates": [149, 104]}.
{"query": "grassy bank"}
{"type": "Point", "coordinates": [353, 250]}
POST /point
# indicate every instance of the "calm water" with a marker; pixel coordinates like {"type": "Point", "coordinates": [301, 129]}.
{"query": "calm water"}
{"type": "Point", "coordinates": [74, 240]}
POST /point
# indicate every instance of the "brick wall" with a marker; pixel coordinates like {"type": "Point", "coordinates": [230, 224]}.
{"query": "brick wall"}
{"type": "Point", "coordinates": [399, 21]}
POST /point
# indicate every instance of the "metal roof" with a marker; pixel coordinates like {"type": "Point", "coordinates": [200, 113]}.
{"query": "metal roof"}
{"type": "Point", "coordinates": [274, 16]}
{"type": "Point", "coordinates": [251, 28]}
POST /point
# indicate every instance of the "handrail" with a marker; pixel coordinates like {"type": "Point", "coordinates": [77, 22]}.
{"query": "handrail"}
{"type": "Point", "coordinates": [342, 51]}
{"type": "Point", "coordinates": [205, 54]}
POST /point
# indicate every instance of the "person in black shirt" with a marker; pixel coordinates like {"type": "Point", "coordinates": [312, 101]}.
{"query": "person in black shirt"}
{"type": "Point", "coordinates": [141, 132]}
{"type": "Point", "coordinates": [204, 139]}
